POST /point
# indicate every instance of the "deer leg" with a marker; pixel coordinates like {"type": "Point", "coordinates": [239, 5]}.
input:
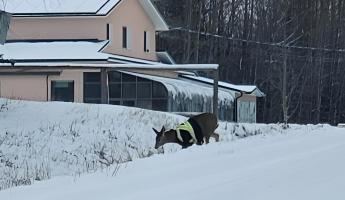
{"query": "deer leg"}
{"type": "Point", "coordinates": [207, 139]}
{"type": "Point", "coordinates": [215, 136]}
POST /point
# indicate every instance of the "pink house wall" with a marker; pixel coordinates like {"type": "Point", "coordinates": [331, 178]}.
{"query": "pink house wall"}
{"type": "Point", "coordinates": [30, 28]}
{"type": "Point", "coordinates": [24, 87]}
{"type": "Point", "coordinates": [38, 87]}
{"type": "Point", "coordinates": [70, 75]}
{"type": "Point", "coordinates": [128, 13]}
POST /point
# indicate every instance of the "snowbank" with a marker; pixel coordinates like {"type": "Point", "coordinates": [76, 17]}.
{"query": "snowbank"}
{"type": "Point", "coordinates": [42, 140]}
{"type": "Point", "coordinates": [297, 164]}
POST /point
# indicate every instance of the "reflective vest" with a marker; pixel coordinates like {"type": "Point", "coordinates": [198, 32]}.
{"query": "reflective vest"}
{"type": "Point", "coordinates": [188, 128]}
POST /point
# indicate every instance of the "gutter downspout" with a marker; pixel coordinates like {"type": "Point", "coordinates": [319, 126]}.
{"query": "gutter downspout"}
{"type": "Point", "coordinates": [235, 106]}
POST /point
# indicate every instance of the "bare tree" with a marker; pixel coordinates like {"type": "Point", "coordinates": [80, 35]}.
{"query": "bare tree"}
{"type": "Point", "coordinates": [291, 49]}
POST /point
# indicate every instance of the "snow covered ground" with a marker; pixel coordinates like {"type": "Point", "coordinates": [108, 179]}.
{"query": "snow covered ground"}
{"type": "Point", "coordinates": [302, 162]}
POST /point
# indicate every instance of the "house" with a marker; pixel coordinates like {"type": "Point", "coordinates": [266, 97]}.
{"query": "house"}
{"type": "Point", "coordinates": [103, 51]}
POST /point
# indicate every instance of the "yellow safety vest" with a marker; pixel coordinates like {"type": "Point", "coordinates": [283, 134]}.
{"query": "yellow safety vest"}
{"type": "Point", "coordinates": [186, 127]}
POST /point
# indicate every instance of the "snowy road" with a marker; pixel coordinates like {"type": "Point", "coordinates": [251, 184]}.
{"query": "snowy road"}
{"type": "Point", "coordinates": [285, 166]}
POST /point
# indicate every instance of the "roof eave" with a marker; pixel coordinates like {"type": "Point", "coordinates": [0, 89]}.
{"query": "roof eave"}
{"type": "Point", "coordinates": [258, 93]}
{"type": "Point", "coordinates": [157, 19]}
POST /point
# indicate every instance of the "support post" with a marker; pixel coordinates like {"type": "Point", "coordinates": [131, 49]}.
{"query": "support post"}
{"type": "Point", "coordinates": [104, 86]}
{"type": "Point", "coordinates": [5, 19]}
{"type": "Point", "coordinates": [215, 91]}
{"type": "Point", "coordinates": [236, 107]}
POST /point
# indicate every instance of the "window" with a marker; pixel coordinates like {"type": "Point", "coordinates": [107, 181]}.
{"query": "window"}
{"type": "Point", "coordinates": [93, 91]}
{"type": "Point", "coordinates": [130, 103]}
{"type": "Point", "coordinates": [129, 90]}
{"type": "Point", "coordinates": [158, 90]}
{"type": "Point", "coordinates": [114, 90]}
{"type": "Point", "coordinates": [128, 78]}
{"type": "Point", "coordinates": [146, 42]}
{"type": "Point", "coordinates": [109, 32]}
{"type": "Point", "coordinates": [126, 38]}
{"type": "Point", "coordinates": [160, 105]}
{"type": "Point", "coordinates": [115, 86]}
{"type": "Point", "coordinates": [92, 87]}
{"type": "Point", "coordinates": [62, 91]}
{"type": "Point", "coordinates": [144, 90]}
{"type": "Point", "coordinates": [115, 102]}
{"type": "Point", "coordinates": [115, 77]}
{"type": "Point", "coordinates": [92, 77]}
{"type": "Point", "coordinates": [143, 80]}
{"type": "Point", "coordinates": [145, 104]}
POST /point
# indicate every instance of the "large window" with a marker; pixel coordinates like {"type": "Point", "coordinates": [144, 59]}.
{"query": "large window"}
{"type": "Point", "coordinates": [159, 96]}
{"type": "Point", "coordinates": [92, 87]}
{"type": "Point", "coordinates": [62, 91]}
{"type": "Point", "coordinates": [128, 90]}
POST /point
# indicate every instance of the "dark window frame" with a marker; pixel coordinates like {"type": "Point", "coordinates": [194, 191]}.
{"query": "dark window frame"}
{"type": "Point", "coordinates": [131, 79]}
{"type": "Point", "coordinates": [91, 83]}
{"type": "Point", "coordinates": [124, 37]}
{"type": "Point", "coordinates": [108, 31]}
{"type": "Point", "coordinates": [145, 42]}
{"type": "Point", "coordinates": [141, 97]}
{"type": "Point", "coordinates": [53, 90]}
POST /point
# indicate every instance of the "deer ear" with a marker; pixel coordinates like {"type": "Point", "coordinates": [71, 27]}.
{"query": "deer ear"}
{"type": "Point", "coordinates": [163, 129]}
{"type": "Point", "coordinates": [155, 131]}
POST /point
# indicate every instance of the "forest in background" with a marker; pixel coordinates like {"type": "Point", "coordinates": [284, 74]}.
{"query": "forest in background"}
{"type": "Point", "coordinates": [292, 50]}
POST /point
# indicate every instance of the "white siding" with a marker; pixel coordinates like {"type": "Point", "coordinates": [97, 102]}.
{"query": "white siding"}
{"type": "Point", "coordinates": [246, 111]}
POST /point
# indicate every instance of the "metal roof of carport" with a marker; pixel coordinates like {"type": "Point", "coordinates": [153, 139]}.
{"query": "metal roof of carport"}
{"type": "Point", "coordinates": [247, 89]}
{"type": "Point", "coordinates": [188, 88]}
{"type": "Point", "coordinates": [113, 66]}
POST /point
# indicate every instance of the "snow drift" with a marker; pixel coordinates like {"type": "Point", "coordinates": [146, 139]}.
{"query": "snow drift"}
{"type": "Point", "coordinates": [39, 140]}
{"type": "Point", "coordinates": [300, 163]}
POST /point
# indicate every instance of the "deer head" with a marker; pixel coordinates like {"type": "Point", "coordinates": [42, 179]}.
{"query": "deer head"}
{"type": "Point", "coordinates": [164, 137]}
{"type": "Point", "coordinates": [159, 137]}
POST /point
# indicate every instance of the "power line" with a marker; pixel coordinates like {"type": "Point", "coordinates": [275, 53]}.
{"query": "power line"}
{"type": "Point", "coordinates": [257, 42]}
{"type": "Point", "coordinates": [296, 57]}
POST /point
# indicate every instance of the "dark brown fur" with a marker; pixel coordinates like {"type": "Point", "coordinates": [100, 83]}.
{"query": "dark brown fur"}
{"type": "Point", "coordinates": [208, 124]}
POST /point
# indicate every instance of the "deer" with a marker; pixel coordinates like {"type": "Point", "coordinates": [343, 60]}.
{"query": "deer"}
{"type": "Point", "coordinates": [197, 130]}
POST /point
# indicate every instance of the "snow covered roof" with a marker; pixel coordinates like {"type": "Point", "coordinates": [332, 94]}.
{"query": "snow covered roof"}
{"type": "Point", "coordinates": [249, 89]}
{"type": "Point", "coordinates": [61, 8]}
{"type": "Point", "coordinates": [55, 50]}
{"type": "Point", "coordinates": [62, 51]}
{"type": "Point", "coordinates": [128, 60]}
{"type": "Point", "coordinates": [86, 54]}
{"type": "Point", "coordinates": [188, 88]}
{"type": "Point", "coordinates": [41, 7]}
